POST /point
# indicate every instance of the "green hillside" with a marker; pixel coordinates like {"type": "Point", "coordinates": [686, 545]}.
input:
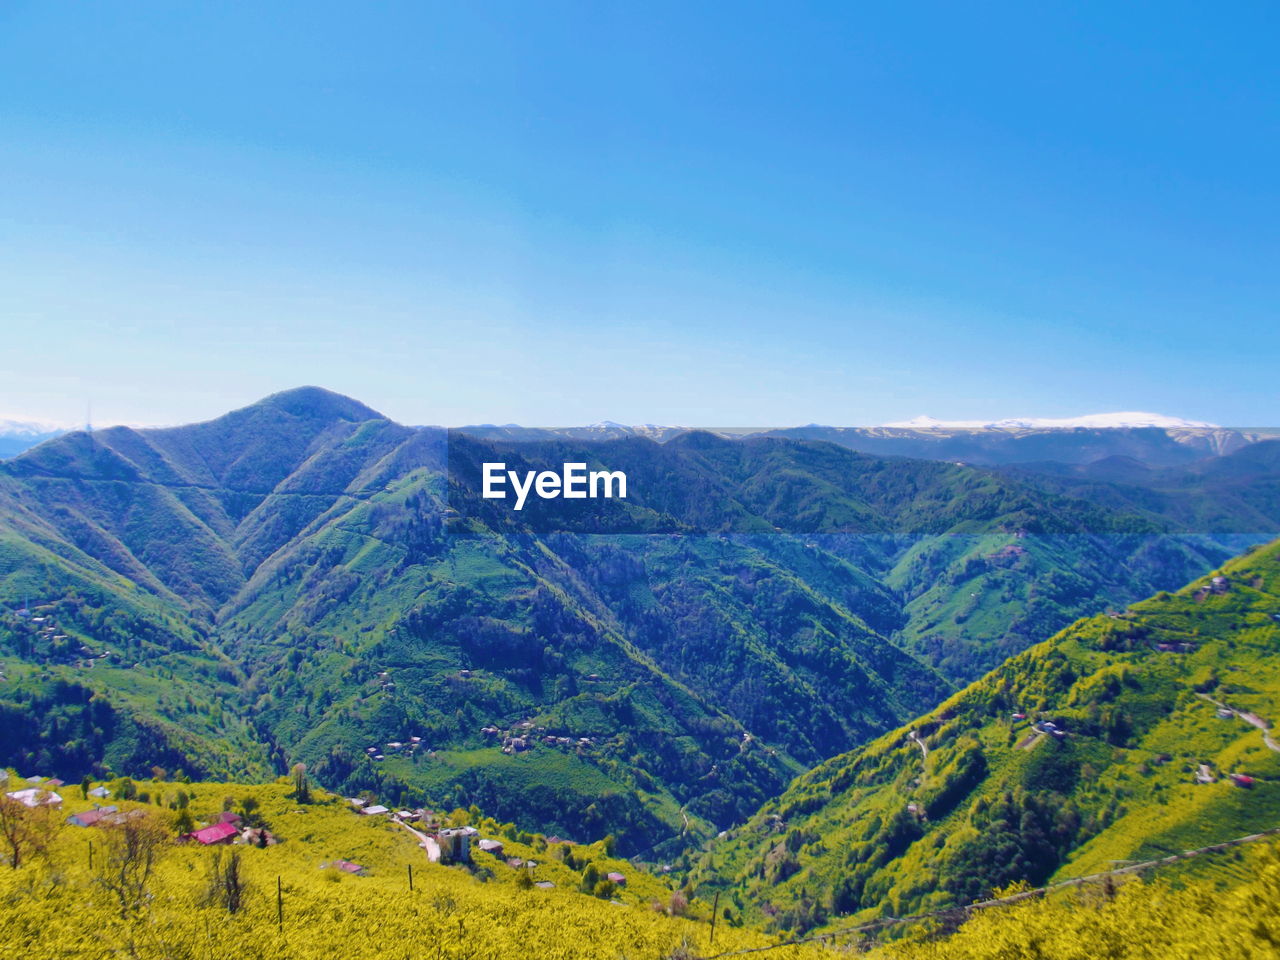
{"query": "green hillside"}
{"type": "Point", "coordinates": [1085, 750]}
{"type": "Point", "coordinates": [1157, 920]}
{"type": "Point", "coordinates": [127, 887]}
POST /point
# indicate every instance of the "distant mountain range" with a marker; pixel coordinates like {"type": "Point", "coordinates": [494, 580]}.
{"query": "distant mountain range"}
{"type": "Point", "coordinates": [1149, 438]}
{"type": "Point", "coordinates": [1106, 421]}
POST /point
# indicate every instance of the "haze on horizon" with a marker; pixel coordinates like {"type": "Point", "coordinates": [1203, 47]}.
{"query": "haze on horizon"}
{"type": "Point", "coordinates": [770, 215]}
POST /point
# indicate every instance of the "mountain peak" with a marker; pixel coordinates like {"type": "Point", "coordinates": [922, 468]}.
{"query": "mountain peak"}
{"type": "Point", "coordinates": [317, 403]}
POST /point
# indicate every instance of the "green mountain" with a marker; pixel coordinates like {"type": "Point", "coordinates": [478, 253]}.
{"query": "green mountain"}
{"type": "Point", "coordinates": [1238, 491]}
{"type": "Point", "coordinates": [1125, 737]}
{"type": "Point", "coordinates": [304, 579]}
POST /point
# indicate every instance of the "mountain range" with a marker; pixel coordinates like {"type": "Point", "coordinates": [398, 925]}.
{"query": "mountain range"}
{"type": "Point", "coordinates": [305, 580]}
{"type": "Point", "coordinates": [1152, 438]}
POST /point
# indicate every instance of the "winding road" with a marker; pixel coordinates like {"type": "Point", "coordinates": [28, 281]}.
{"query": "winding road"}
{"type": "Point", "coordinates": [1250, 718]}
{"type": "Point", "coordinates": [426, 842]}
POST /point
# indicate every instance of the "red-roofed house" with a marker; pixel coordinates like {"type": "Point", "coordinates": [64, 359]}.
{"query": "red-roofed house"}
{"type": "Point", "coordinates": [218, 833]}
{"type": "Point", "coordinates": [87, 818]}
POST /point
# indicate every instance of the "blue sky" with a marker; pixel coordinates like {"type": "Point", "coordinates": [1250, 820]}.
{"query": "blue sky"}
{"type": "Point", "coordinates": [705, 214]}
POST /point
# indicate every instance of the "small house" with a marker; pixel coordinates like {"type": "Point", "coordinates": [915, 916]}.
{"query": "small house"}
{"type": "Point", "coordinates": [491, 846]}
{"type": "Point", "coordinates": [375, 810]}
{"type": "Point", "coordinates": [215, 833]}
{"type": "Point", "coordinates": [87, 818]}
{"type": "Point", "coordinates": [545, 885]}
{"type": "Point", "coordinates": [102, 793]}
{"type": "Point", "coordinates": [33, 797]}
{"type": "Point", "coordinates": [227, 816]}
{"type": "Point", "coordinates": [1242, 780]}
{"type": "Point", "coordinates": [258, 837]}
{"type": "Point", "coordinates": [455, 845]}
{"type": "Point", "coordinates": [617, 879]}
{"type": "Point", "coordinates": [346, 866]}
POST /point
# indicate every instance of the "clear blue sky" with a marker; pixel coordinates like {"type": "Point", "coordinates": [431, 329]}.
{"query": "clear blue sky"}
{"type": "Point", "coordinates": [715, 214]}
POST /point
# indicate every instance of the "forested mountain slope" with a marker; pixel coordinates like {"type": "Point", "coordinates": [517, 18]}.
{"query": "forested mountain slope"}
{"type": "Point", "coordinates": [1124, 737]}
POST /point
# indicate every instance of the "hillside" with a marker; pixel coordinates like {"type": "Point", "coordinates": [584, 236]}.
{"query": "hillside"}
{"type": "Point", "coordinates": [305, 580]}
{"type": "Point", "coordinates": [1122, 738]}
{"type": "Point", "coordinates": [83, 896]}
{"type": "Point", "coordinates": [1156, 920]}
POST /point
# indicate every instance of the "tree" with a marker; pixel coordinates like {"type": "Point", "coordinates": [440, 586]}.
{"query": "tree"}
{"type": "Point", "coordinates": [249, 811]}
{"type": "Point", "coordinates": [226, 886]}
{"type": "Point", "coordinates": [133, 845]}
{"type": "Point", "coordinates": [27, 831]}
{"type": "Point", "coordinates": [301, 787]}
{"type": "Point", "coordinates": [183, 822]}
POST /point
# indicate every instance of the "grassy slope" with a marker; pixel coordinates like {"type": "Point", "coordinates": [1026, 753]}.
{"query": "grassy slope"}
{"type": "Point", "coordinates": [56, 906]}
{"type": "Point", "coordinates": [1004, 802]}
{"type": "Point", "coordinates": [1143, 921]}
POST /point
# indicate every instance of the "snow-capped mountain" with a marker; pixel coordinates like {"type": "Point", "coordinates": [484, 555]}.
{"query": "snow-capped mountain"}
{"type": "Point", "coordinates": [30, 428]}
{"type": "Point", "coordinates": [1095, 421]}
{"type": "Point", "coordinates": [19, 435]}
